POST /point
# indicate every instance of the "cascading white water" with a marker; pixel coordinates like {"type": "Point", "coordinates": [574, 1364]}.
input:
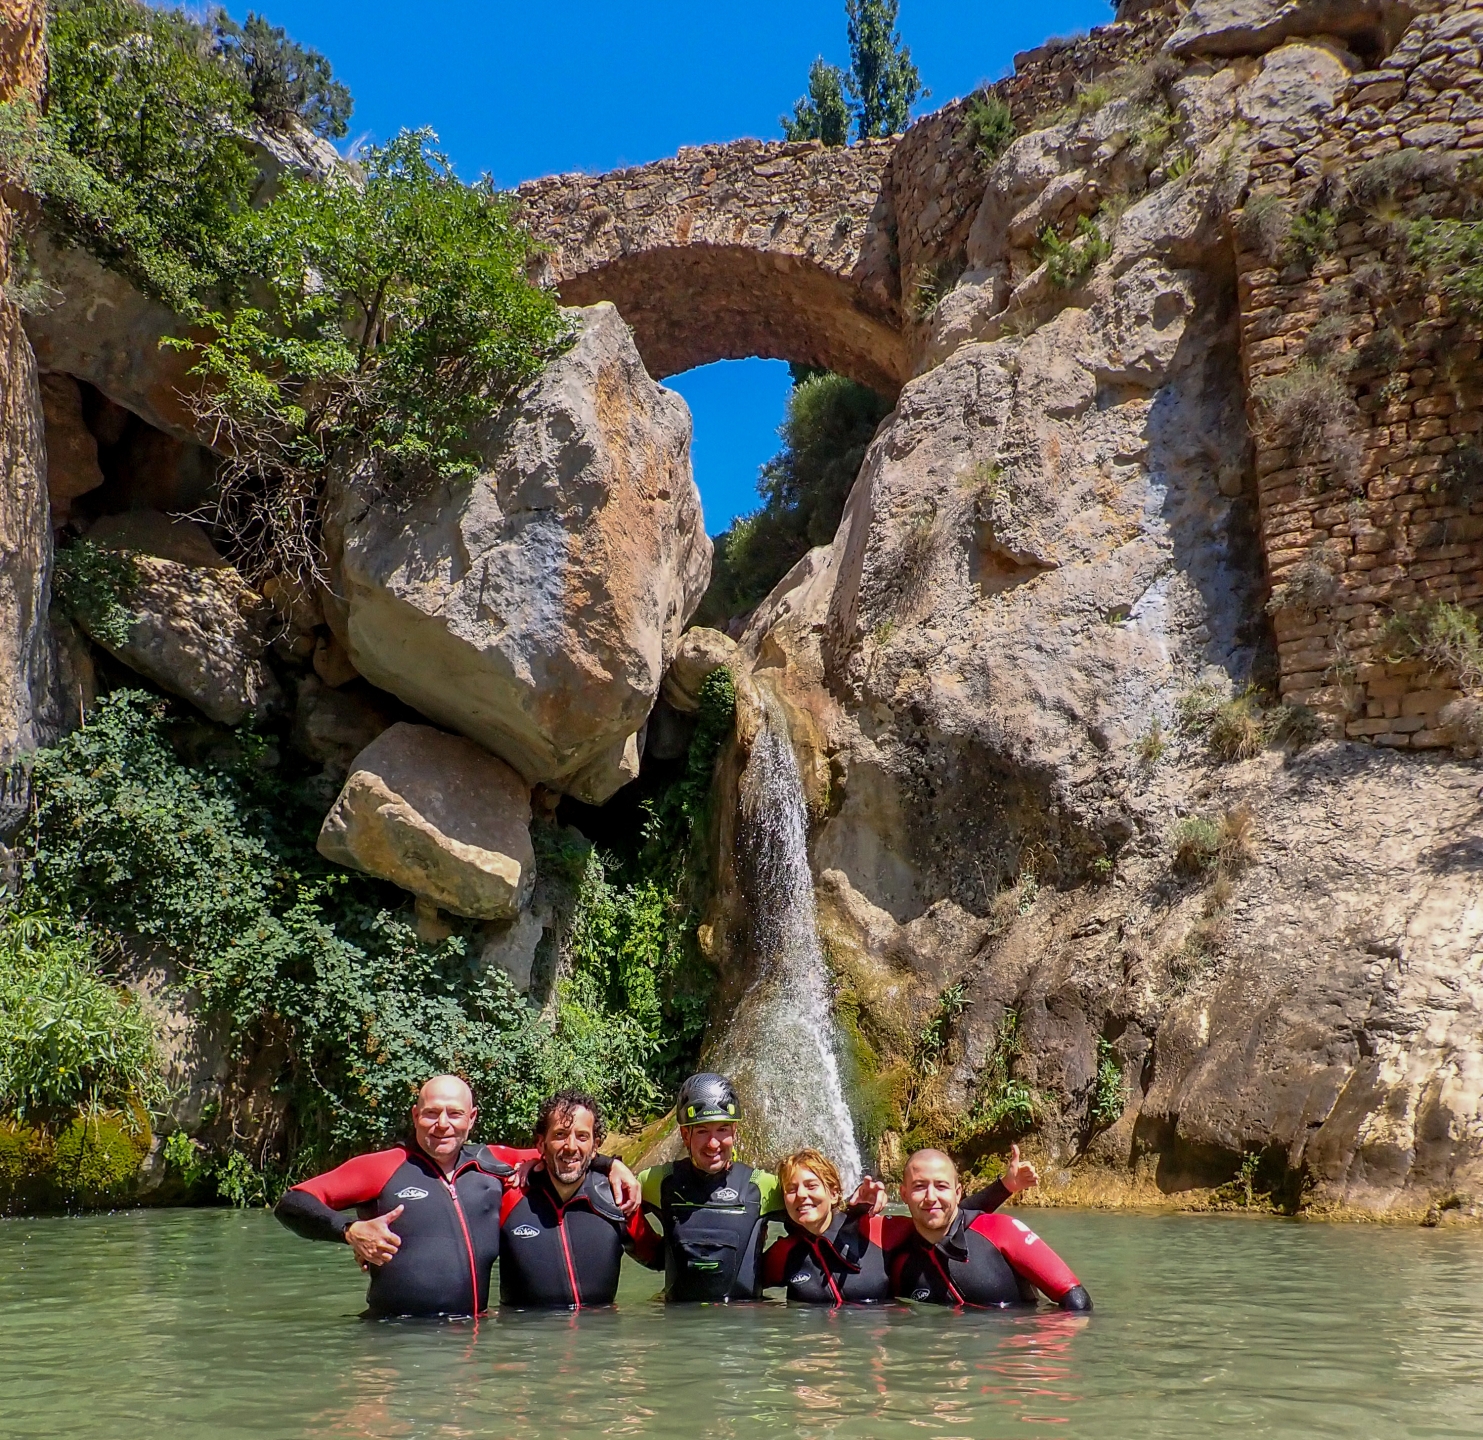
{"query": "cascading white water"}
{"type": "Point", "coordinates": [779, 1049]}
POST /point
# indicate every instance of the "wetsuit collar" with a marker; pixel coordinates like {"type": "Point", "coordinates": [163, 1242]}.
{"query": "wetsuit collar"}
{"type": "Point", "coordinates": [593, 1192]}
{"type": "Point", "coordinates": [467, 1156]}
{"type": "Point", "coordinates": [827, 1243]}
{"type": "Point", "coordinates": [953, 1244]}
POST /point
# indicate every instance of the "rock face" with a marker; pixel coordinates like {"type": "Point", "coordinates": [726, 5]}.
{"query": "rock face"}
{"type": "Point", "coordinates": [701, 651]}
{"type": "Point", "coordinates": [536, 608]}
{"type": "Point", "coordinates": [1053, 541]}
{"type": "Point", "coordinates": [71, 450]}
{"type": "Point", "coordinates": [436, 815]}
{"type": "Point", "coordinates": [198, 631]}
{"type": "Point", "coordinates": [27, 705]}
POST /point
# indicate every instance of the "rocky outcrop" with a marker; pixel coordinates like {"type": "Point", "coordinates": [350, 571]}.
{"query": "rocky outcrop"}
{"type": "Point", "coordinates": [536, 608]}
{"type": "Point", "coordinates": [72, 468]}
{"type": "Point", "coordinates": [197, 629]}
{"type": "Point", "coordinates": [701, 651]}
{"type": "Point", "coordinates": [1252, 27]}
{"type": "Point", "coordinates": [436, 815]}
{"type": "Point", "coordinates": [1053, 544]}
{"type": "Point", "coordinates": [26, 662]}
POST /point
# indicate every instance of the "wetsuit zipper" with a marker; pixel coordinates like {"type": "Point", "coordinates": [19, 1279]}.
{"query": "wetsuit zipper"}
{"type": "Point", "coordinates": [828, 1273]}
{"type": "Point", "coordinates": [566, 1251]}
{"type": "Point", "coordinates": [468, 1245]}
{"type": "Point", "coordinates": [946, 1278]}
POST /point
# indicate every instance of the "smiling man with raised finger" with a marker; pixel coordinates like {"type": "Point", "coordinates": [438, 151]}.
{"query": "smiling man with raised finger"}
{"type": "Point", "coordinates": [428, 1209]}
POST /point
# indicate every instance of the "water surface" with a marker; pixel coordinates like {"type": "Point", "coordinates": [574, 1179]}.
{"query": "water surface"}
{"type": "Point", "coordinates": [214, 1325]}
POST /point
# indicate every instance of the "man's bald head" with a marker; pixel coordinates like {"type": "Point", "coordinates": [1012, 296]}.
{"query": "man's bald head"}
{"type": "Point", "coordinates": [931, 1159]}
{"type": "Point", "coordinates": [443, 1116]}
{"type": "Point", "coordinates": [441, 1085]}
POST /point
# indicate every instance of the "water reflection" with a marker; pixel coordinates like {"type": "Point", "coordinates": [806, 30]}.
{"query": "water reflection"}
{"type": "Point", "coordinates": [212, 1324]}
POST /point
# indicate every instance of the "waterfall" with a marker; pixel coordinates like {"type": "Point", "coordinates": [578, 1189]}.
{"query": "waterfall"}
{"type": "Point", "coordinates": [779, 1049]}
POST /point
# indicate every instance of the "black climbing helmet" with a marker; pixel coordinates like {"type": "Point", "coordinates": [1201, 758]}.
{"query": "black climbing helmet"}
{"type": "Point", "coordinates": [707, 1099]}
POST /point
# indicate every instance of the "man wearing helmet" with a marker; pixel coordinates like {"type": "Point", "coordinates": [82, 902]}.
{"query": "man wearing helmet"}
{"type": "Point", "coordinates": [713, 1208]}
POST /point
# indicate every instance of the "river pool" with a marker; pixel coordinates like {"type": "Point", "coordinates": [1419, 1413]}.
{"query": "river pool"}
{"type": "Point", "coordinates": [213, 1324]}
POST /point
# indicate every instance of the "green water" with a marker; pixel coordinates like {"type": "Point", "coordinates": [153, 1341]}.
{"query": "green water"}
{"type": "Point", "coordinates": [214, 1324]}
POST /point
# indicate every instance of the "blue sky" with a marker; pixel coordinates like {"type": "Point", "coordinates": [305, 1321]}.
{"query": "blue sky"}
{"type": "Point", "coordinates": [527, 89]}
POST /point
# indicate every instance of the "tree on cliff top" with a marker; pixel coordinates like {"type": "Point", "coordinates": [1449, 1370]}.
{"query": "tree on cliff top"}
{"type": "Point", "coordinates": [284, 80]}
{"type": "Point", "coordinates": [883, 82]}
{"type": "Point", "coordinates": [822, 114]}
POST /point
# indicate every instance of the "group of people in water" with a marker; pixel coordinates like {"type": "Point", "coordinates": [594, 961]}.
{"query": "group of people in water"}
{"type": "Point", "coordinates": [435, 1214]}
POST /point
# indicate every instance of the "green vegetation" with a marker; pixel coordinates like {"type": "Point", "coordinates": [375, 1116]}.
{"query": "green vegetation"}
{"type": "Point", "coordinates": [823, 113]}
{"type": "Point", "coordinates": [1109, 1089]}
{"type": "Point", "coordinates": [1450, 253]}
{"type": "Point", "coordinates": [1313, 234]}
{"type": "Point", "coordinates": [1003, 1105]}
{"type": "Point", "coordinates": [1069, 261]}
{"type": "Point", "coordinates": [343, 323]}
{"type": "Point", "coordinates": [1204, 846]}
{"type": "Point", "coordinates": [134, 834]}
{"type": "Point", "coordinates": [882, 83]}
{"type": "Point", "coordinates": [1238, 726]}
{"type": "Point", "coordinates": [396, 317]}
{"type": "Point", "coordinates": [284, 81]}
{"type": "Point", "coordinates": [1309, 409]}
{"type": "Point", "coordinates": [1444, 636]}
{"type": "Point", "coordinates": [1264, 226]}
{"type": "Point", "coordinates": [991, 124]}
{"type": "Point", "coordinates": [829, 423]}
{"type": "Point", "coordinates": [68, 1039]}
{"type": "Point", "coordinates": [94, 586]}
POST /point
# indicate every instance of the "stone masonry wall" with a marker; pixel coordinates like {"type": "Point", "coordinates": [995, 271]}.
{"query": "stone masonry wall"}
{"type": "Point", "coordinates": [1391, 531]}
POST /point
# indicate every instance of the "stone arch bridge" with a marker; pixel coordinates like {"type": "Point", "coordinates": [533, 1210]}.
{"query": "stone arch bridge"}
{"type": "Point", "coordinates": [787, 251]}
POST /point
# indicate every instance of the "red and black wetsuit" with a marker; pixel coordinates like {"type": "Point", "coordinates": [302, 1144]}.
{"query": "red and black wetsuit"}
{"type": "Point", "coordinates": [555, 1253]}
{"type": "Point", "coordinates": [449, 1229]}
{"type": "Point", "coordinates": [982, 1260]}
{"type": "Point", "coordinates": [846, 1265]}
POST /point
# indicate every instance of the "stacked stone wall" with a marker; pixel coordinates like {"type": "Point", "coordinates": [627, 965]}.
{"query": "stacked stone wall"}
{"type": "Point", "coordinates": [937, 177]}
{"type": "Point", "coordinates": [1386, 521]}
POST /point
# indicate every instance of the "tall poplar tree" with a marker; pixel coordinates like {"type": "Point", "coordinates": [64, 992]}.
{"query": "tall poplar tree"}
{"type": "Point", "coordinates": [883, 82]}
{"type": "Point", "coordinates": [822, 114]}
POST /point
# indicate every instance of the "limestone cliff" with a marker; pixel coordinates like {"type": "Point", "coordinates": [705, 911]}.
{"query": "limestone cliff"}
{"type": "Point", "coordinates": [1053, 569]}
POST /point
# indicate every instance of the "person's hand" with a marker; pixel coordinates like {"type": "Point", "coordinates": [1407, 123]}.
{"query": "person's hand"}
{"type": "Point", "coordinates": [869, 1192]}
{"type": "Point", "coordinates": [625, 1187]}
{"type": "Point", "coordinates": [374, 1241]}
{"type": "Point", "coordinates": [522, 1172]}
{"type": "Point", "coordinates": [1019, 1174]}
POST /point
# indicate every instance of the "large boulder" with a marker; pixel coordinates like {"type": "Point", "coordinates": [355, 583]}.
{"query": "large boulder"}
{"type": "Point", "coordinates": [71, 449]}
{"type": "Point", "coordinates": [701, 651]}
{"type": "Point", "coordinates": [438, 816]}
{"type": "Point", "coordinates": [536, 608]}
{"type": "Point", "coordinates": [198, 629]}
{"type": "Point", "coordinates": [1252, 27]}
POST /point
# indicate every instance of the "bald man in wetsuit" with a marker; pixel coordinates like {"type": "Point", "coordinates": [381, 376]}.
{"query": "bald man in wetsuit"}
{"type": "Point", "coordinates": [428, 1209]}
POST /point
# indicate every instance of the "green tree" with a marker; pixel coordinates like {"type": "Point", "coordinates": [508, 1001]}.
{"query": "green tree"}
{"type": "Point", "coordinates": [829, 423]}
{"type": "Point", "coordinates": [285, 81]}
{"type": "Point", "coordinates": [883, 82]}
{"type": "Point", "coordinates": [390, 319]}
{"type": "Point", "coordinates": [822, 114]}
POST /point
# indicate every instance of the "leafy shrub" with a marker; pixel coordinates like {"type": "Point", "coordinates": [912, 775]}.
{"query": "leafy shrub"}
{"type": "Point", "coordinates": [1309, 408]}
{"type": "Point", "coordinates": [1310, 585]}
{"type": "Point", "coordinates": [1067, 262]}
{"type": "Point", "coordinates": [1196, 846]}
{"type": "Point", "coordinates": [217, 862]}
{"type": "Point", "coordinates": [1461, 480]}
{"type": "Point", "coordinates": [68, 1039]}
{"type": "Point", "coordinates": [1450, 253]}
{"type": "Point", "coordinates": [1004, 1105]}
{"type": "Point", "coordinates": [1313, 234]}
{"type": "Point", "coordinates": [990, 123]}
{"type": "Point", "coordinates": [1443, 635]}
{"type": "Point", "coordinates": [1109, 1089]}
{"type": "Point", "coordinates": [394, 318]}
{"type": "Point", "coordinates": [94, 586]}
{"type": "Point", "coordinates": [139, 156]}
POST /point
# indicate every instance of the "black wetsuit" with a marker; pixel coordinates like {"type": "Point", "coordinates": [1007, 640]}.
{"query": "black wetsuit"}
{"type": "Point", "coordinates": [555, 1253]}
{"type": "Point", "coordinates": [989, 1260]}
{"type": "Point", "coordinates": [449, 1229]}
{"type": "Point", "coordinates": [714, 1228]}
